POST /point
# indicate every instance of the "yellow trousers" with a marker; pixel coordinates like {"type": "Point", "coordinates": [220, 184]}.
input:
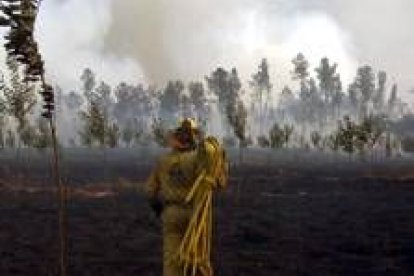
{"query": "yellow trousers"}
{"type": "Point", "coordinates": [175, 220]}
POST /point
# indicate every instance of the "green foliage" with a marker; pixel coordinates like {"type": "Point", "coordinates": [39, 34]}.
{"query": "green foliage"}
{"type": "Point", "coordinates": [43, 138]}
{"type": "Point", "coordinates": [237, 117]}
{"type": "Point", "coordinates": [20, 97]}
{"type": "Point", "coordinates": [352, 136]}
{"type": "Point", "coordinates": [160, 133]}
{"type": "Point", "coordinates": [333, 142]}
{"type": "Point", "coordinates": [28, 135]}
{"type": "Point", "coordinates": [198, 100]}
{"type": "Point", "coordinates": [328, 79]}
{"type": "Point", "coordinates": [261, 86]}
{"type": "Point", "coordinates": [363, 88]}
{"type": "Point", "coordinates": [97, 126]}
{"type": "Point", "coordinates": [94, 126]}
{"type": "Point", "coordinates": [170, 99]}
{"type": "Point", "coordinates": [301, 66]}
{"type": "Point", "coordinates": [263, 141]}
{"type": "Point", "coordinates": [279, 137]}
{"type": "Point", "coordinates": [226, 86]}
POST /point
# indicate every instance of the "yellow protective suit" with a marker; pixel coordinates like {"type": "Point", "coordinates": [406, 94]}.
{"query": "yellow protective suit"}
{"type": "Point", "coordinates": [172, 181]}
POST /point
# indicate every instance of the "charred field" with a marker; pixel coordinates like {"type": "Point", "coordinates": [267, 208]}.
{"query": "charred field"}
{"type": "Point", "coordinates": [284, 213]}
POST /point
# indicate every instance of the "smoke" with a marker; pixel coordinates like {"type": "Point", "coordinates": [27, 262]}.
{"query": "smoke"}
{"type": "Point", "coordinates": [187, 39]}
{"type": "Point", "coordinates": [153, 41]}
{"type": "Point", "coordinates": [71, 37]}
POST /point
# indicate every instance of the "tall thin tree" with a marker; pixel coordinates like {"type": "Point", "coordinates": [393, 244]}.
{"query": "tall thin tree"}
{"type": "Point", "coordinates": [19, 17]}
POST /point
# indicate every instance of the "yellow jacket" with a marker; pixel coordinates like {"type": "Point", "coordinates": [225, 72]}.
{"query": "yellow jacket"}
{"type": "Point", "coordinates": [175, 173]}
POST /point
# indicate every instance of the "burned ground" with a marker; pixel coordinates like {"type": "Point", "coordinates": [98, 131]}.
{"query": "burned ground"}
{"type": "Point", "coordinates": [283, 214]}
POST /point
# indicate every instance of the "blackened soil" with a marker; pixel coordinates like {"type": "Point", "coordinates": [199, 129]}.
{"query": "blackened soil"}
{"type": "Point", "coordinates": [272, 220]}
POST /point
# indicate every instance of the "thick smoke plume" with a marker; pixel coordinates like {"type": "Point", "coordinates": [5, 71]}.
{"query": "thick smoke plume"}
{"type": "Point", "coordinates": [186, 39]}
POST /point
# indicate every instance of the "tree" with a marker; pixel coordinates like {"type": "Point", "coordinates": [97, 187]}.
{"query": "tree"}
{"type": "Point", "coordinates": [185, 106]}
{"type": "Point", "coordinates": [364, 82]}
{"type": "Point", "coordinates": [113, 135]}
{"type": "Point", "coordinates": [133, 103]}
{"type": "Point", "coordinates": [20, 97]}
{"type": "Point", "coordinates": [127, 134]}
{"type": "Point", "coordinates": [96, 119]}
{"type": "Point", "coordinates": [160, 133]}
{"type": "Point", "coordinates": [73, 101]}
{"type": "Point", "coordinates": [94, 126]}
{"type": "Point", "coordinates": [170, 101]}
{"type": "Point", "coordinates": [301, 66]}
{"type": "Point", "coordinates": [316, 139]}
{"type": "Point", "coordinates": [226, 86]}
{"type": "Point", "coordinates": [277, 137]}
{"type": "Point", "coordinates": [288, 131]}
{"type": "Point", "coordinates": [327, 77]}
{"type": "Point", "coordinates": [393, 99]}
{"type": "Point", "coordinates": [345, 135]}
{"type": "Point", "coordinates": [198, 100]}
{"type": "Point", "coordinates": [237, 117]}
{"type": "Point", "coordinates": [285, 102]}
{"type": "Point", "coordinates": [261, 86]}
{"type": "Point", "coordinates": [337, 97]}
{"type": "Point", "coordinates": [43, 138]}
{"type": "Point", "coordinates": [2, 112]}
{"type": "Point", "coordinates": [380, 91]}
{"type": "Point", "coordinates": [88, 82]}
{"type": "Point", "coordinates": [300, 73]}
{"type": "Point", "coordinates": [10, 139]}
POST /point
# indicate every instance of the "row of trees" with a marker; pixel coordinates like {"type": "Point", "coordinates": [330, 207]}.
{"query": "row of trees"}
{"type": "Point", "coordinates": [323, 100]}
{"type": "Point", "coordinates": [17, 106]}
{"type": "Point", "coordinates": [97, 114]}
{"type": "Point", "coordinates": [369, 135]}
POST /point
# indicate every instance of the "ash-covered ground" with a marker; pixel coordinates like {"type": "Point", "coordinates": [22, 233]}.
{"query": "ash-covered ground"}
{"type": "Point", "coordinates": [284, 213]}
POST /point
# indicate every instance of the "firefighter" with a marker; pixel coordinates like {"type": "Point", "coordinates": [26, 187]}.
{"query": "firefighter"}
{"type": "Point", "coordinates": [170, 187]}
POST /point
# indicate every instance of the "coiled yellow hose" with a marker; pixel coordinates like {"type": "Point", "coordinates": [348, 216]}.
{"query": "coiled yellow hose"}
{"type": "Point", "coordinates": [195, 250]}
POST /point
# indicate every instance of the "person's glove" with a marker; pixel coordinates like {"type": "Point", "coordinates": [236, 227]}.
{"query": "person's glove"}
{"type": "Point", "coordinates": [157, 207]}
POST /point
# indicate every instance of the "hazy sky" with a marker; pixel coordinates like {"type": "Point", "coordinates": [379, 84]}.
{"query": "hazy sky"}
{"type": "Point", "coordinates": [157, 40]}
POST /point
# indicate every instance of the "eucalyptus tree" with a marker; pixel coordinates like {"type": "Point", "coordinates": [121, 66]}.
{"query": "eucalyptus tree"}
{"type": "Point", "coordinates": [300, 73]}
{"type": "Point", "coordinates": [198, 99]}
{"type": "Point", "coordinates": [379, 97]}
{"type": "Point", "coordinates": [170, 101]}
{"type": "Point", "coordinates": [237, 117]}
{"type": "Point", "coordinates": [96, 118]}
{"type": "Point", "coordinates": [365, 83]}
{"type": "Point", "coordinates": [226, 86]}
{"type": "Point", "coordinates": [261, 85]}
{"type": "Point", "coordinates": [20, 97]}
{"type": "Point", "coordinates": [392, 101]}
{"type": "Point", "coordinates": [285, 104]}
{"type": "Point", "coordinates": [3, 113]}
{"type": "Point", "coordinates": [19, 18]}
{"type": "Point", "coordinates": [327, 75]}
